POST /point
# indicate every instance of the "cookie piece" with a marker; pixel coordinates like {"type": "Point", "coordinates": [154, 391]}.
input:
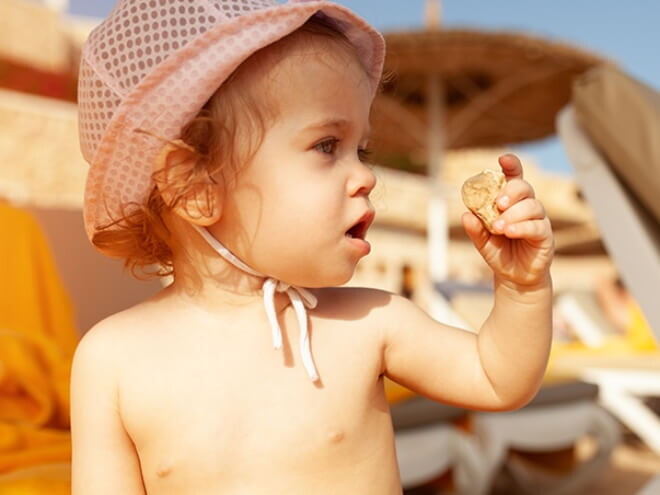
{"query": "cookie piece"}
{"type": "Point", "coordinates": [479, 193]}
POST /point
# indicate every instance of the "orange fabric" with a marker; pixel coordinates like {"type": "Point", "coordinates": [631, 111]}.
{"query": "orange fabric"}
{"type": "Point", "coordinates": [37, 340]}
{"type": "Point", "coordinates": [395, 392]}
{"type": "Point", "coordinates": [32, 298]}
{"type": "Point", "coordinates": [53, 479]}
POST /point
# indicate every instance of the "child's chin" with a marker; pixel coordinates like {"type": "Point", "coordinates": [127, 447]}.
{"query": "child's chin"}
{"type": "Point", "coordinates": [344, 278]}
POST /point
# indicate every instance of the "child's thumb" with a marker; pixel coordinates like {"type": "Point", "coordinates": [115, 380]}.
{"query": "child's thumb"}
{"type": "Point", "coordinates": [475, 229]}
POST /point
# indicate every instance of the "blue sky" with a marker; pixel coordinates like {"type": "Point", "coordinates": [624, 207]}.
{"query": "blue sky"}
{"type": "Point", "coordinates": [625, 32]}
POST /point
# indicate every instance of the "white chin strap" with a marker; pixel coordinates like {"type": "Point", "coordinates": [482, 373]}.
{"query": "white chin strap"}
{"type": "Point", "coordinates": [301, 299]}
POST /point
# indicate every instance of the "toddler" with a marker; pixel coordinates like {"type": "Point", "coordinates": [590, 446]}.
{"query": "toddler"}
{"type": "Point", "coordinates": [228, 147]}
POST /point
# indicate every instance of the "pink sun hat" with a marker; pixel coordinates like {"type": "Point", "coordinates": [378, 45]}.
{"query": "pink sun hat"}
{"type": "Point", "coordinates": [153, 64]}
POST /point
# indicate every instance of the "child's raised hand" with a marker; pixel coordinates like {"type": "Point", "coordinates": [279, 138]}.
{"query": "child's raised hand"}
{"type": "Point", "coordinates": [521, 250]}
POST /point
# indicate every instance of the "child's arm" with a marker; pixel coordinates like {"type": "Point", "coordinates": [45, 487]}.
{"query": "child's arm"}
{"type": "Point", "coordinates": [104, 458]}
{"type": "Point", "coordinates": [501, 367]}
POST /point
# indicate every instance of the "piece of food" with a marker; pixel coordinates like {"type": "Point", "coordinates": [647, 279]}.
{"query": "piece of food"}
{"type": "Point", "coordinates": [479, 193]}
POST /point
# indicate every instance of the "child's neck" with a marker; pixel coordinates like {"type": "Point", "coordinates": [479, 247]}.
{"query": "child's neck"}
{"type": "Point", "coordinates": [216, 279]}
{"type": "Point", "coordinates": [206, 279]}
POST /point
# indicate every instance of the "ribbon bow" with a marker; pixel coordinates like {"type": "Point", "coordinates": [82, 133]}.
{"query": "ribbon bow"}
{"type": "Point", "coordinates": [300, 298]}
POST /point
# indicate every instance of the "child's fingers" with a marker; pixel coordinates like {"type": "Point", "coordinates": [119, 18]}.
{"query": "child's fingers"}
{"type": "Point", "coordinates": [531, 230]}
{"type": "Point", "coordinates": [511, 166]}
{"type": "Point", "coordinates": [513, 192]}
{"type": "Point", "coordinates": [527, 209]}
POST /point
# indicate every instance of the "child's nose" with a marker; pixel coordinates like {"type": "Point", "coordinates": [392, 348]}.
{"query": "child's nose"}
{"type": "Point", "coordinates": [363, 181]}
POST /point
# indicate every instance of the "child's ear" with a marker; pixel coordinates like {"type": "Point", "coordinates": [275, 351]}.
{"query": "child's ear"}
{"type": "Point", "coordinates": [202, 203]}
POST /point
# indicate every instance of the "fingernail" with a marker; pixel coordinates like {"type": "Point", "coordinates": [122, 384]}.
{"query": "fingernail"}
{"type": "Point", "coordinates": [499, 225]}
{"type": "Point", "coordinates": [504, 201]}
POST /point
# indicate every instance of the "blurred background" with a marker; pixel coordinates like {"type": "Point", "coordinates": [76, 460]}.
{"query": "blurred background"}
{"type": "Point", "coordinates": [467, 81]}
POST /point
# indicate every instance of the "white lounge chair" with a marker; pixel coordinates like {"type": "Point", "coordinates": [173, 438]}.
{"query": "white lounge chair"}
{"type": "Point", "coordinates": [610, 133]}
{"type": "Point", "coordinates": [428, 444]}
{"type": "Point", "coordinates": [558, 418]}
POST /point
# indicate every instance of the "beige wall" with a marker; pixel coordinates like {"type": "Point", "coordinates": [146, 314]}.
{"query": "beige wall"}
{"type": "Point", "coordinates": [41, 160]}
{"type": "Point", "coordinates": [33, 34]}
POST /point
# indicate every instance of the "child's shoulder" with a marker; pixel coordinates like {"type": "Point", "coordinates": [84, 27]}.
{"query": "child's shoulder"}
{"type": "Point", "coordinates": [128, 319]}
{"type": "Point", "coordinates": [117, 331]}
{"type": "Point", "coordinates": [106, 354]}
{"type": "Point", "coordinates": [100, 351]}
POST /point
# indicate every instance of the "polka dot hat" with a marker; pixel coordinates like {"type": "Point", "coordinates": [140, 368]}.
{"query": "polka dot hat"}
{"type": "Point", "coordinates": [153, 64]}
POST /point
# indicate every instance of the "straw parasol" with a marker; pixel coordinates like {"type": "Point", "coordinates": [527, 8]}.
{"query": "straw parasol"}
{"type": "Point", "coordinates": [498, 88]}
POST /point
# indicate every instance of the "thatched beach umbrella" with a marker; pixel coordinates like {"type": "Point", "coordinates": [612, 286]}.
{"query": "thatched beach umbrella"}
{"type": "Point", "coordinates": [497, 88]}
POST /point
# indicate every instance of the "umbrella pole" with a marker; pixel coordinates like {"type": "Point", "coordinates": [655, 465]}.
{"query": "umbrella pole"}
{"type": "Point", "coordinates": [438, 232]}
{"type": "Point", "coordinates": [438, 226]}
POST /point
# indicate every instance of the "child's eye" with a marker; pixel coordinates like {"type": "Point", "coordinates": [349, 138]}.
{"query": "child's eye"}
{"type": "Point", "coordinates": [328, 146]}
{"type": "Point", "coordinates": [364, 154]}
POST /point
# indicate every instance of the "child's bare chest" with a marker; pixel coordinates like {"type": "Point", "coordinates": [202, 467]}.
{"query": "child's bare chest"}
{"type": "Point", "coordinates": [213, 412]}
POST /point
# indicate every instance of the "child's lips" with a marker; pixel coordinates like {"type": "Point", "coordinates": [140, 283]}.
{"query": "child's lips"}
{"type": "Point", "coordinates": [360, 245]}
{"type": "Point", "coordinates": [356, 234]}
{"type": "Point", "coordinates": [360, 228]}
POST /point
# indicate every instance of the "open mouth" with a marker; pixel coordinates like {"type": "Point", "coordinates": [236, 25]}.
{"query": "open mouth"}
{"type": "Point", "coordinates": [359, 229]}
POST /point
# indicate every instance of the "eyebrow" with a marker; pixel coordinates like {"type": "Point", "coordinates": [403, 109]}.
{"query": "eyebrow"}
{"type": "Point", "coordinates": [334, 124]}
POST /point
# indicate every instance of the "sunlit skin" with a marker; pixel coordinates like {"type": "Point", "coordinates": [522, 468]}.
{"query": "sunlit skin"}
{"type": "Point", "coordinates": [185, 394]}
